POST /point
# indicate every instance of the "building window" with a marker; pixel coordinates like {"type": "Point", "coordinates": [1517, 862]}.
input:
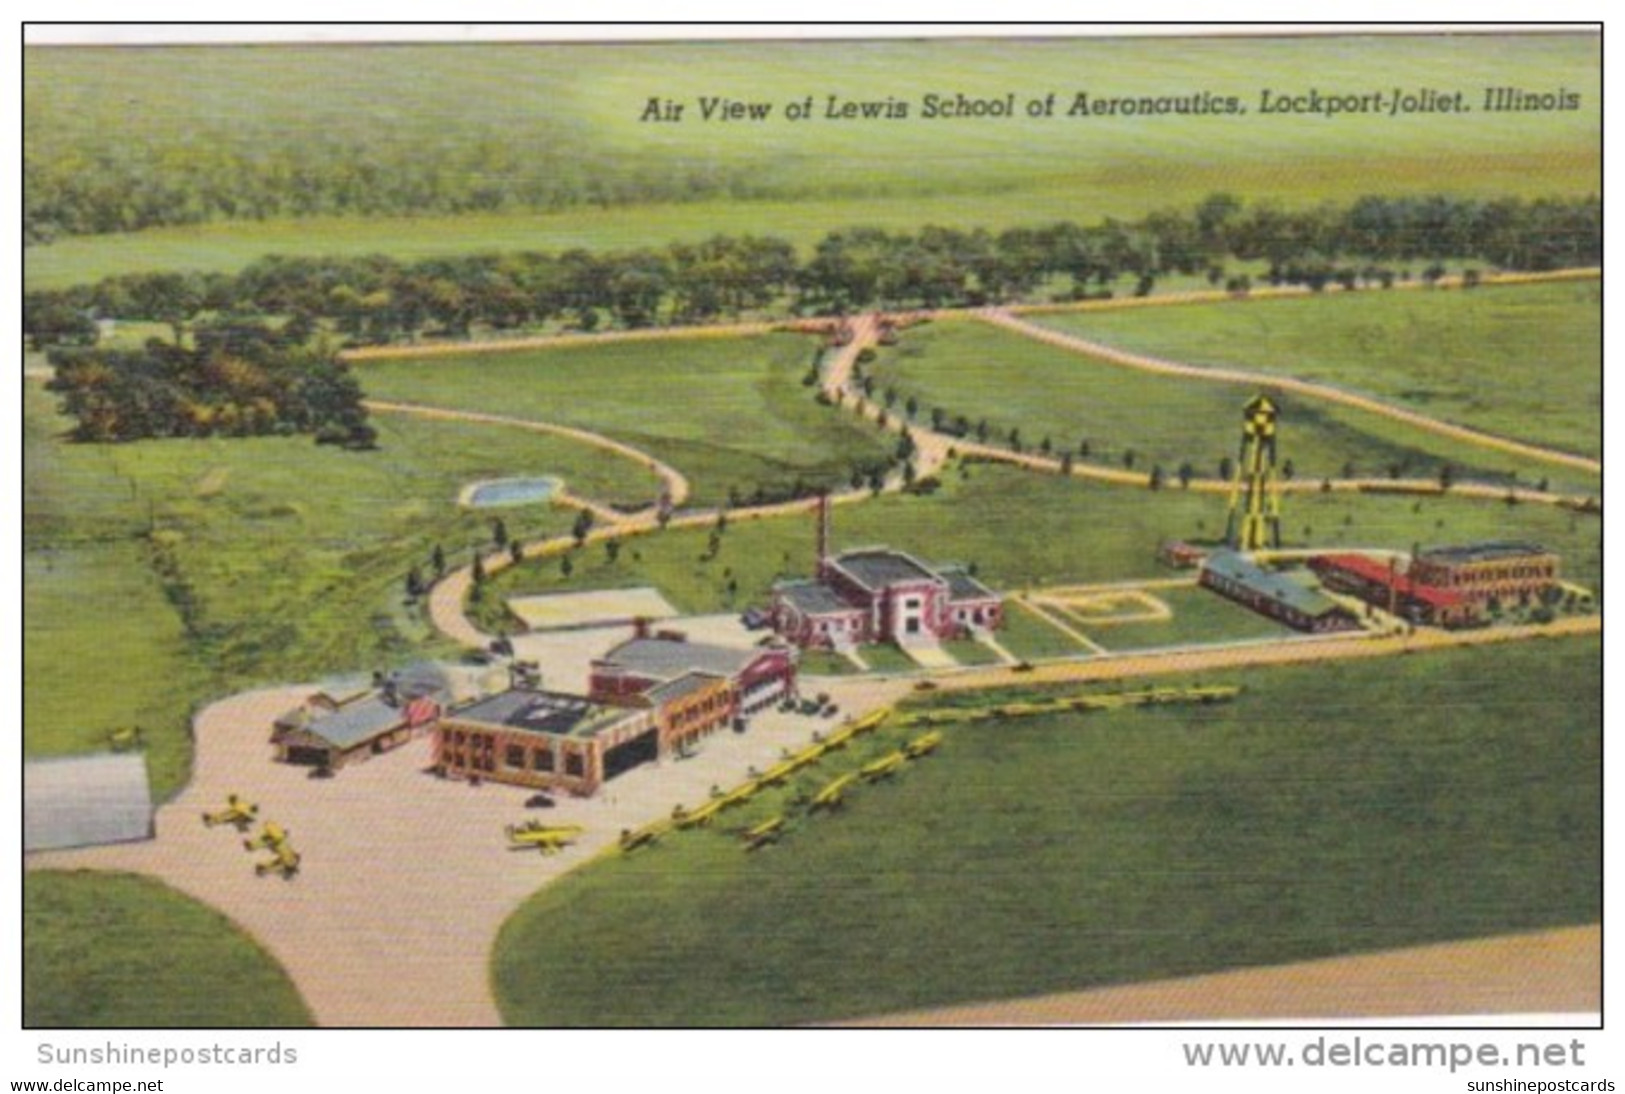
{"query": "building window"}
{"type": "Point", "coordinates": [516, 756]}
{"type": "Point", "coordinates": [574, 765]}
{"type": "Point", "coordinates": [541, 760]}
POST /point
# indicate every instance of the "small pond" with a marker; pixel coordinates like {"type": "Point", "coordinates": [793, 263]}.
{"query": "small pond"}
{"type": "Point", "coordinates": [501, 492]}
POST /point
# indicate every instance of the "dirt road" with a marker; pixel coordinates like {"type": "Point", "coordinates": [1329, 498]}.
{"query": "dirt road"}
{"type": "Point", "coordinates": [1147, 363]}
{"type": "Point", "coordinates": [1545, 972]}
{"type": "Point", "coordinates": [406, 878]}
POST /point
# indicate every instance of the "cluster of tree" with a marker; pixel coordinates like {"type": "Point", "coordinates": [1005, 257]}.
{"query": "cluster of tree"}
{"type": "Point", "coordinates": [377, 299]}
{"type": "Point", "coordinates": [238, 380]}
{"type": "Point", "coordinates": [126, 186]}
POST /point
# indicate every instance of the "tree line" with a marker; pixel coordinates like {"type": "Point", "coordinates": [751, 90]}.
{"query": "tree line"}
{"type": "Point", "coordinates": [237, 380]}
{"type": "Point", "coordinates": [377, 299]}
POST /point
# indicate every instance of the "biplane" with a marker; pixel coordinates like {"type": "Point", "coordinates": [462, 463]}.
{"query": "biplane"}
{"type": "Point", "coordinates": [284, 859]}
{"type": "Point", "coordinates": [832, 795]}
{"type": "Point", "coordinates": [238, 814]}
{"type": "Point", "coordinates": [760, 835]}
{"type": "Point", "coordinates": [549, 839]}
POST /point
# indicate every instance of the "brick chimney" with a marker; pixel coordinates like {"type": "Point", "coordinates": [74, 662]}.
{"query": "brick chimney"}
{"type": "Point", "coordinates": [823, 530]}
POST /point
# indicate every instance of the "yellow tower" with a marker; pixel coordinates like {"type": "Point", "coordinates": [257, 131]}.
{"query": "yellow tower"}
{"type": "Point", "coordinates": [1255, 501]}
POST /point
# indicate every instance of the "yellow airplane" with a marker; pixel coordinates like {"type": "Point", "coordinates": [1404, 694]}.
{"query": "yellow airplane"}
{"type": "Point", "coordinates": [763, 834]}
{"type": "Point", "coordinates": [274, 838]}
{"type": "Point", "coordinates": [870, 722]}
{"type": "Point", "coordinates": [689, 818]}
{"type": "Point", "coordinates": [809, 755]}
{"type": "Point", "coordinates": [923, 745]}
{"type": "Point", "coordinates": [776, 774]}
{"type": "Point", "coordinates": [739, 794]}
{"type": "Point", "coordinates": [548, 839]}
{"type": "Point", "coordinates": [284, 860]}
{"type": "Point", "coordinates": [272, 835]}
{"type": "Point", "coordinates": [126, 738]}
{"type": "Point", "coordinates": [631, 841]}
{"type": "Point", "coordinates": [883, 768]}
{"type": "Point", "coordinates": [832, 795]}
{"type": "Point", "coordinates": [236, 814]}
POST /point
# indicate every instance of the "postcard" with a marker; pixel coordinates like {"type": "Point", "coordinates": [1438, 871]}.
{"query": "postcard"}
{"type": "Point", "coordinates": [953, 531]}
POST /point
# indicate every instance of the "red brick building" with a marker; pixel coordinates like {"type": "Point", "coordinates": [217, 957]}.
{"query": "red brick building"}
{"type": "Point", "coordinates": [1447, 586]}
{"type": "Point", "coordinates": [882, 595]}
{"type": "Point", "coordinates": [1509, 572]}
{"type": "Point", "coordinates": [648, 698]}
{"type": "Point", "coordinates": [1385, 585]}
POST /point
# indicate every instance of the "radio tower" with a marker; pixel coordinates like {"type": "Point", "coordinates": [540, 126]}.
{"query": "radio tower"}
{"type": "Point", "coordinates": [1255, 502]}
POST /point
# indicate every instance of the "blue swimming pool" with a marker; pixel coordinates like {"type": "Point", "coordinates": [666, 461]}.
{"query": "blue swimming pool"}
{"type": "Point", "coordinates": [525, 491]}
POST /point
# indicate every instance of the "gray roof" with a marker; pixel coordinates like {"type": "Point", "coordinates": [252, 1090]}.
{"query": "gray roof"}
{"type": "Point", "coordinates": [82, 801]}
{"type": "Point", "coordinates": [962, 586]}
{"type": "Point", "coordinates": [1484, 552]}
{"type": "Point", "coordinates": [875, 569]}
{"type": "Point", "coordinates": [813, 597]}
{"type": "Point", "coordinates": [1291, 589]}
{"type": "Point", "coordinates": [356, 722]}
{"type": "Point", "coordinates": [545, 712]}
{"type": "Point", "coordinates": [683, 685]}
{"type": "Point", "coordinates": [664, 659]}
{"type": "Point", "coordinates": [422, 678]}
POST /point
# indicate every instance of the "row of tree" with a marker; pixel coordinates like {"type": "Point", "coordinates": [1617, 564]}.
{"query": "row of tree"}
{"type": "Point", "coordinates": [377, 299]}
{"type": "Point", "coordinates": [124, 186]}
{"type": "Point", "coordinates": [233, 382]}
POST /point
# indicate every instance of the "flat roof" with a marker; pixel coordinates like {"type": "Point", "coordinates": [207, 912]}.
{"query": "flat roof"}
{"type": "Point", "coordinates": [552, 713]}
{"type": "Point", "coordinates": [1486, 551]}
{"type": "Point", "coordinates": [877, 568]}
{"type": "Point", "coordinates": [83, 801]}
{"type": "Point", "coordinates": [683, 685]}
{"type": "Point", "coordinates": [813, 597]}
{"type": "Point", "coordinates": [962, 586]}
{"type": "Point", "coordinates": [1287, 588]}
{"type": "Point", "coordinates": [665, 659]}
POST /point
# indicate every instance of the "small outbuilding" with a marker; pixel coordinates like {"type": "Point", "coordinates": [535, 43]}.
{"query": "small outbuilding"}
{"type": "Point", "coordinates": [86, 801]}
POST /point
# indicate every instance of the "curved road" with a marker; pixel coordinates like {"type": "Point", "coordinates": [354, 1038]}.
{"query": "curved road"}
{"type": "Point", "coordinates": [1147, 363]}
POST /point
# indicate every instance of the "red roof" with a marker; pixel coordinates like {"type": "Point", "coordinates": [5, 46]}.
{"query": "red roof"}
{"type": "Point", "coordinates": [1377, 571]}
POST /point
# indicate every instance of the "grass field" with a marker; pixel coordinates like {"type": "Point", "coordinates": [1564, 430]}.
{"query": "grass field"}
{"type": "Point", "coordinates": [360, 117]}
{"type": "Point", "coordinates": [171, 572]}
{"type": "Point", "coordinates": [884, 657]}
{"type": "Point", "coordinates": [1061, 852]}
{"type": "Point", "coordinates": [1031, 638]}
{"type": "Point", "coordinates": [120, 951]}
{"type": "Point", "coordinates": [1072, 531]}
{"type": "Point", "coordinates": [977, 371]}
{"type": "Point", "coordinates": [1200, 617]}
{"type": "Point", "coordinates": [726, 412]}
{"type": "Point", "coordinates": [970, 652]}
{"type": "Point", "coordinates": [1522, 361]}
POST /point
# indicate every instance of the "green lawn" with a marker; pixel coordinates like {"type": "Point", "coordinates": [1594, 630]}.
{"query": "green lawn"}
{"type": "Point", "coordinates": [825, 663]}
{"type": "Point", "coordinates": [968, 651]}
{"type": "Point", "coordinates": [1072, 531]}
{"type": "Point", "coordinates": [1200, 617]}
{"type": "Point", "coordinates": [116, 950]}
{"type": "Point", "coordinates": [1032, 639]}
{"type": "Point", "coordinates": [886, 658]}
{"type": "Point", "coordinates": [1330, 810]}
{"type": "Point", "coordinates": [1524, 361]}
{"type": "Point", "coordinates": [164, 574]}
{"type": "Point", "coordinates": [729, 413]}
{"type": "Point", "coordinates": [977, 371]}
{"type": "Point", "coordinates": [559, 128]}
